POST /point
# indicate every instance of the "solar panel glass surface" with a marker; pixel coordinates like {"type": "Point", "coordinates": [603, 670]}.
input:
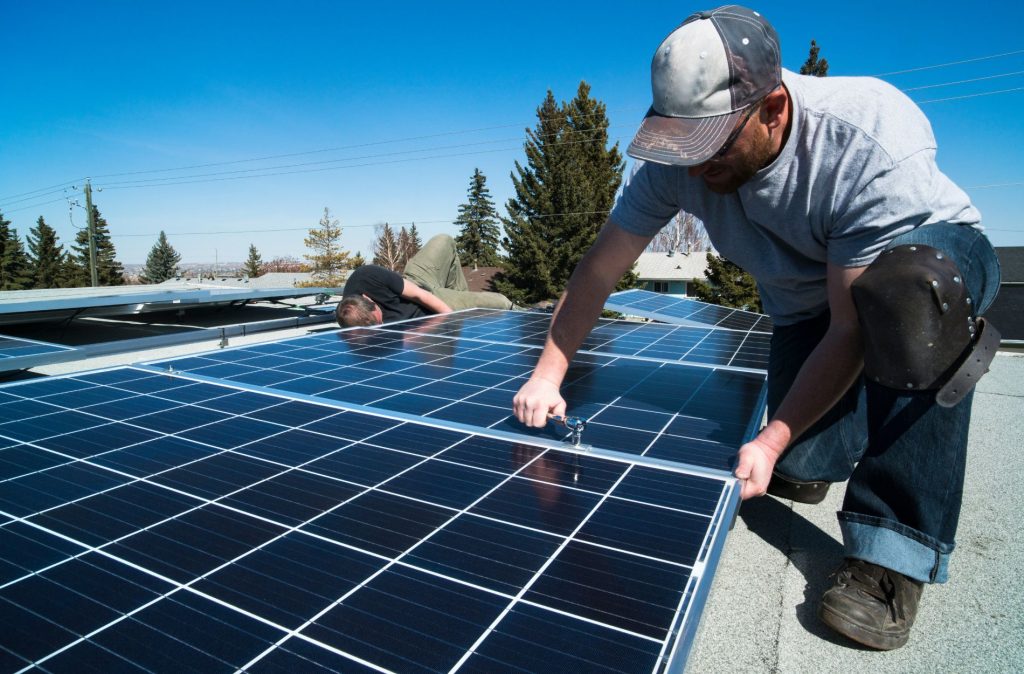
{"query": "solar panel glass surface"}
{"type": "Point", "coordinates": [15, 352]}
{"type": "Point", "coordinates": [690, 344]}
{"type": "Point", "coordinates": [151, 521]}
{"type": "Point", "coordinates": [686, 311]}
{"type": "Point", "coordinates": [672, 411]}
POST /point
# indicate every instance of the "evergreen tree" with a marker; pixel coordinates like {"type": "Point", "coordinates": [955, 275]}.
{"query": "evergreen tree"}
{"type": "Point", "coordinates": [329, 259]}
{"type": "Point", "coordinates": [813, 65]}
{"type": "Point", "coordinates": [728, 285]}
{"type": "Point", "coordinates": [356, 261]}
{"type": "Point", "coordinates": [108, 270]}
{"type": "Point", "coordinates": [254, 263]}
{"type": "Point", "coordinates": [478, 237]}
{"type": "Point", "coordinates": [46, 256]}
{"type": "Point", "coordinates": [385, 248]}
{"type": "Point", "coordinates": [415, 242]}
{"type": "Point", "coordinates": [162, 262]}
{"type": "Point", "coordinates": [14, 263]}
{"type": "Point", "coordinates": [563, 196]}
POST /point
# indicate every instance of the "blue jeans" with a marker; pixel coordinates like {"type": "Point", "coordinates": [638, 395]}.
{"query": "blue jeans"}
{"type": "Point", "coordinates": [903, 454]}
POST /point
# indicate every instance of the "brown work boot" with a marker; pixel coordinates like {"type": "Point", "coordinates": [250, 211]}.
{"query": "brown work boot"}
{"type": "Point", "coordinates": [812, 492]}
{"type": "Point", "coordinates": [871, 604]}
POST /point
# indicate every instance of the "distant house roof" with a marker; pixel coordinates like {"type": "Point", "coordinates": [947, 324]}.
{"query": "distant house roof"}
{"type": "Point", "coordinates": [282, 279]}
{"type": "Point", "coordinates": [1011, 260]}
{"type": "Point", "coordinates": [480, 278]}
{"type": "Point", "coordinates": [671, 266]}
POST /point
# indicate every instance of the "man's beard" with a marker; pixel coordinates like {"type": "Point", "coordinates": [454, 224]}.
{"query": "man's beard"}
{"type": "Point", "coordinates": [744, 167]}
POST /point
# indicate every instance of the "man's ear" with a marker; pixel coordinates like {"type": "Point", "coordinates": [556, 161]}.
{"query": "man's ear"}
{"type": "Point", "coordinates": [773, 108]}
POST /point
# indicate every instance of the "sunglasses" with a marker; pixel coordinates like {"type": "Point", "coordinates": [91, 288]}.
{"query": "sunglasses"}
{"type": "Point", "coordinates": [731, 140]}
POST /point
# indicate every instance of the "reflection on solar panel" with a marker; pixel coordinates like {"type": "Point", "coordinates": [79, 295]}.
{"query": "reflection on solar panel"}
{"type": "Point", "coordinates": [685, 311]}
{"type": "Point", "coordinates": [672, 411]}
{"type": "Point", "coordinates": [690, 344]}
{"type": "Point", "coordinates": [17, 353]}
{"type": "Point", "coordinates": [153, 522]}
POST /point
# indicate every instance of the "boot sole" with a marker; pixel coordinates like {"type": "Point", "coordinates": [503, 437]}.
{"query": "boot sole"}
{"type": "Point", "coordinates": [862, 635]}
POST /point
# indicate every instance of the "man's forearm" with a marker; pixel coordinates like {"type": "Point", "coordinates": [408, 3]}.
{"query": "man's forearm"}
{"type": "Point", "coordinates": [575, 315]}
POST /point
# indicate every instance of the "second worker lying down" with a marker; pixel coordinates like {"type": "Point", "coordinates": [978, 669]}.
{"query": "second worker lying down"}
{"type": "Point", "coordinates": [433, 283]}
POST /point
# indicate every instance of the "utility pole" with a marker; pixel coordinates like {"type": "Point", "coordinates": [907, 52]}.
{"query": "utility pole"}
{"type": "Point", "coordinates": [92, 235]}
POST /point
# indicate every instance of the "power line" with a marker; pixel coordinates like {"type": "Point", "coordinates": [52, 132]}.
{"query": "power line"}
{"type": "Point", "coordinates": [952, 63]}
{"type": "Point", "coordinates": [261, 172]}
{"type": "Point", "coordinates": [141, 182]}
{"type": "Point", "coordinates": [970, 95]}
{"type": "Point", "coordinates": [974, 79]}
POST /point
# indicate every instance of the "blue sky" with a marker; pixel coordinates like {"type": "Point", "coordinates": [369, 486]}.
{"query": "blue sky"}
{"type": "Point", "coordinates": [381, 112]}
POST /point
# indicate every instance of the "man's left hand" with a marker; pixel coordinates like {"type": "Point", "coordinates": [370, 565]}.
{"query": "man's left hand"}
{"type": "Point", "coordinates": [754, 468]}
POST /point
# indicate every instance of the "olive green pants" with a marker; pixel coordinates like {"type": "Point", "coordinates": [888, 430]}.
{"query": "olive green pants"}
{"type": "Point", "coordinates": [436, 268]}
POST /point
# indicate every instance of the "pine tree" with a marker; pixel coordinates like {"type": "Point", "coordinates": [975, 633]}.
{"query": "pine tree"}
{"type": "Point", "coordinates": [356, 261]}
{"type": "Point", "coordinates": [254, 263]}
{"type": "Point", "coordinates": [478, 237]}
{"type": "Point", "coordinates": [329, 259]}
{"type": "Point", "coordinates": [415, 242]}
{"type": "Point", "coordinates": [46, 256]}
{"type": "Point", "coordinates": [813, 65]}
{"type": "Point", "coordinates": [108, 270]}
{"type": "Point", "coordinates": [728, 285]}
{"type": "Point", "coordinates": [385, 248]}
{"type": "Point", "coordinates": [14, 263]}
{"type": "Point", "coordinates": [563, 197]}
{"type": "Point", "coordinates": [162, 262]}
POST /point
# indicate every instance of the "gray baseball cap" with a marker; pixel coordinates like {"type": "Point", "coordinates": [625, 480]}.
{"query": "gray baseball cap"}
{"type": "Point", "coordinates": [704, 76]}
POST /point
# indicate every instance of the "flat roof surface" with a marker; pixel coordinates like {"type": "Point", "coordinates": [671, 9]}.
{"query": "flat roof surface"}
{"type": "Point", "coordinates": [762, 613]}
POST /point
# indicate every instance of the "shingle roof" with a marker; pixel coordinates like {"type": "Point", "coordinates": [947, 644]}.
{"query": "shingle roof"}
{"type": "Point", "coordinates": [671, 266]}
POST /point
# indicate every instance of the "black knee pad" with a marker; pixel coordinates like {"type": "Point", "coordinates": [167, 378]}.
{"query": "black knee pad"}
{"type": "Point", "coordinates": [918, 324]}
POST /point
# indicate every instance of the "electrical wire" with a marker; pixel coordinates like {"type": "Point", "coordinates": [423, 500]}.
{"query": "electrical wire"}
{"type": "Point", "coordinates": [960, 98]}
{"type": "Point", "coordinates": [974, 79]}
{"type": "Point", "coordinates": [952, 63]}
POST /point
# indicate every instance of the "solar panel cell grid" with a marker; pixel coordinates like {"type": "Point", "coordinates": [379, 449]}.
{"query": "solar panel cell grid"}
{"type": "Point", "coordinates": [686, 311]}
{"type": "Point", "coordinates": [291, 534]}
{"type": "Point", "coordinates": [691, 343]}
{"type": "Point", "coordinates": [633, 405]}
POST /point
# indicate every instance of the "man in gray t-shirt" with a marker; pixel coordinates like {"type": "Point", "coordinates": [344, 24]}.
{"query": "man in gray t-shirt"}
{"type": "Point", "coordinates": [867, 257]}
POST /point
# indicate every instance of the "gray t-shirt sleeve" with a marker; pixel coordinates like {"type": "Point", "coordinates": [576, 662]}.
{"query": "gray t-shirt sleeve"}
{"type": "Point", "coordinates": [648, 201]}
{"type": "Point", "coordinates": [891, 203]}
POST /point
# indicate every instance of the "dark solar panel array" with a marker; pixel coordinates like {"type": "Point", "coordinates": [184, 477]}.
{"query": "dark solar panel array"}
{"type": "Point", "coordinates": [688, 344]}
{"type": "Point", "coordinates": [15, 352]}
{"type": "Point", "coordinates": [685, 311]}
{"type": "Point", "coordinates": [671, 411]}
{"type": "Point", "coordinates": [152, 522]}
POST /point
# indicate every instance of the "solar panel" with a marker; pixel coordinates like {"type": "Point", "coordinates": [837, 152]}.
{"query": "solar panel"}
{"type": "Point", "coordinates": [152, 521]}
{"type": "Point", "coordinates": [672, 411]}
{"type": "Point", "coordinates": [690, 344]}
{"type": "Point", "coordinates": [17, 353]}
{"type": "Point", "coordinates": [685, 311]}
{"type": "Point", "coordinates": [23, 306]}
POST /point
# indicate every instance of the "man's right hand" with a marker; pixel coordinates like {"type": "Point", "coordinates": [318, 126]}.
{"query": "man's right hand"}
{"type": "Point", "coordinates": [536, 399]}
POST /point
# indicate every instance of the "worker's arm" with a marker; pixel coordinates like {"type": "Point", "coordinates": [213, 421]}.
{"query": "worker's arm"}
{"type": "Point", "coordinates": [826, 375]}
{"type": "Point", "coordinates": [426, 299]}
{"type": "Point", "coordinates": [612, 254]}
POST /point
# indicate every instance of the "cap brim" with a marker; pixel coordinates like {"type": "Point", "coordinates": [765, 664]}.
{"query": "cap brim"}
{"type": "Point", "coordinates": [681, 141]}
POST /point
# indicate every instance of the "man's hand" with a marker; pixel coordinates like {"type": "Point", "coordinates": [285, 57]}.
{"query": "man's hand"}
{"type": "Point", "coordinates": [537, 398]}
{"type": "Point", "coordinates": [756, 460]}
